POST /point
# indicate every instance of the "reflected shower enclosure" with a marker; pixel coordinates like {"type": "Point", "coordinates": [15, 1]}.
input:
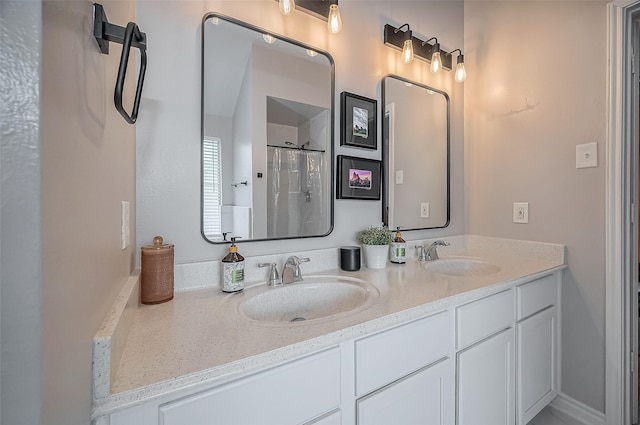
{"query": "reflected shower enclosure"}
{"type": "Point", "coordinates": [267, 135]}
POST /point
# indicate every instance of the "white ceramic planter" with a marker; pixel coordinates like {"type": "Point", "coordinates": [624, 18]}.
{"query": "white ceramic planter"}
{"type": "Point", "coordinates": [375, 256]}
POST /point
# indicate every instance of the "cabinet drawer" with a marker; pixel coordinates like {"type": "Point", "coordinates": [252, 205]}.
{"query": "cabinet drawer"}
{"type": "Point", "coordinates": [292, 393]}
{"type": "Point", "coordinates": [535, 296]}
{"type": "Point", "coordinates": [392, 354]}
{"type": "Point", "coordinates": [480, 319]}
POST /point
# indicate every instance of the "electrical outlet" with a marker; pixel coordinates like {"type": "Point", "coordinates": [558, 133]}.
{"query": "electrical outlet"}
{"type": "Point", "coordinates": [125, 230]}
{"type": "Point", "coordinates": [521, 212]}
{"type": "Point", "coordinates": [424, 210]}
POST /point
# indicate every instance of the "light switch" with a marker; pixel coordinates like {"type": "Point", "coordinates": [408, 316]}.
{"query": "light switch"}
{"type": "Point", "coordinates": [587, 155]}
{"type": "Point", "coordinates": [399, 177]}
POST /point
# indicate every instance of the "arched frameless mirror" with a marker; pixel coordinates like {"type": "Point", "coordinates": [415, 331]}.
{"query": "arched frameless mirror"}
{"type": "Point", "coordinates": [415, 153]}
{"type": "Point", "coordinates": [267, 134]}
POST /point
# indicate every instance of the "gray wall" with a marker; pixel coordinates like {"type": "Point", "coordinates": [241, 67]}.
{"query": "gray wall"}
{"type": "Point", "coordinates": [20, 34]}
{"type": "Point", "coordinates": [71, 159]}
{"type": "Point", "coordinates": [535, 89]}
{"type": "Point", "coordinates": [168, 132]}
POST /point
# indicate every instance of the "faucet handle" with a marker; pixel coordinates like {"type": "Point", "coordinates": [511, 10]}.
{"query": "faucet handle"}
{"type": "Point", "coordinates": [421, 256]}
{"type": "Point", "coordinates": [274, 277]}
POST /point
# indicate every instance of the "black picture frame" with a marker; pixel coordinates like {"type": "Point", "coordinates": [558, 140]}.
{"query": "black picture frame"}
{"type": "Point", "coordinates": [367, 181]}
{"type": "Point", "coordinates": [358, 121]}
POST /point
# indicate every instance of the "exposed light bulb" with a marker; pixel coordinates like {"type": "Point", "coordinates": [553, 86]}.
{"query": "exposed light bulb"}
{"type": "Point", "coordinates": [287, 6]}
{"type": "Point", "coordinates": [268, 38]}
{"type": "Point", "coordinates": [436, 62]}
{"type": "Point", "coordinates": [407, 47]}
{"type": "Point", "coordinates": [312, 53]}
{"type": "Point", "coordinates": [215, 20]}
{"type": "Point", "coordinates": [408, 84]}
{"type": "Point", "coordinates": [407, 51]}
{"type": "Point", "coordinates": [334, 22]}
{"type": "Point", "coordinates": [461, 73]}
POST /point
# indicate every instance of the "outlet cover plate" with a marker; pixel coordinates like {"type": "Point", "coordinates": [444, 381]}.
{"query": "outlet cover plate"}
{"type": "Point", "coordinates": [424, 210]}
{"type": "Point", "coordinates": [521, 212]}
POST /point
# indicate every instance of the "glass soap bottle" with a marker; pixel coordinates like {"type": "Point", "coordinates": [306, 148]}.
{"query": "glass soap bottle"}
{"type": "Point", "coordinates": [233, 270]}
{"type": "Point", "coordinates": [398, 249]}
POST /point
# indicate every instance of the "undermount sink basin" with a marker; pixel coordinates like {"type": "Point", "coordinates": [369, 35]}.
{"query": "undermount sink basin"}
{"type": "Point", "coordinates": [312, 299]}
{"type": "Point", "coordinates": [462, 267]}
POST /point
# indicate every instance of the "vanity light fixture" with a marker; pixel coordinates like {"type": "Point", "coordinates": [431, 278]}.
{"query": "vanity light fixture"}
{"type": "Point", "coordinates": [436, 60]}
{"type": "Point", "coordinates": [322, 9]}
{"type": "Point", "coordinates": [396, 38]}
{"type": "Point", "coordinates": [461, 73]}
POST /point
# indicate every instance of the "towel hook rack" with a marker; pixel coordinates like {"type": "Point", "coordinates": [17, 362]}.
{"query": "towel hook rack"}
{"type": "Point", "coordinates": [131, 36]}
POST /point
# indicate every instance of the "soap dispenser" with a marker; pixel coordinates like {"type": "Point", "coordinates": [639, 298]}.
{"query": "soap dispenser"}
{"type": "Point", "coordinates": [233, 269]}
{"type": "Point", "coordinates": [398, 248]}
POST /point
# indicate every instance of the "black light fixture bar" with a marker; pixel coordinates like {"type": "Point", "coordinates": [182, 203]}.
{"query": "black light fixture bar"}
{"type": "Point", "coordinates": [395, 40]}
{"type": "Point", "coordinates": [316, 8]}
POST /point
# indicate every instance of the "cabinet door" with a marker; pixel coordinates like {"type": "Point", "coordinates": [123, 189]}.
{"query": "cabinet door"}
{"type": "Point", "coordinates": [486, 382]}
{"type": "Point", "coordinates": [424, 397]}
{"type": "Point", "coordinates": [537, 373]}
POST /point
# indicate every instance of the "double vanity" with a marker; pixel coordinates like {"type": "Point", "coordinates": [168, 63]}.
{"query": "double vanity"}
{"type": "Point", "coordinates": [472, 338]}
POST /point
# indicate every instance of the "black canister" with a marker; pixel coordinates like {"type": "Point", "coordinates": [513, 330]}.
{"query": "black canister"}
{"type": "Point", "coordinates": [350, 258]}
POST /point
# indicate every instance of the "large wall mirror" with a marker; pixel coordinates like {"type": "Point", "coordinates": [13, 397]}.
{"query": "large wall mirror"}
{"type": "Point", "coordinates": [415, 154]}
{"type": "Point", "coordinates": [267, 134]}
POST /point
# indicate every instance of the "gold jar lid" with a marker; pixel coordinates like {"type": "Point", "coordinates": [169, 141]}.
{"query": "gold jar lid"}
{"type": "Point", "coordinates": [158, 245]}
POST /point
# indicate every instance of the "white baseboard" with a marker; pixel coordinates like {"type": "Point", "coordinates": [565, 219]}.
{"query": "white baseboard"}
{"type": "Point", "coordinates": [573, 412]}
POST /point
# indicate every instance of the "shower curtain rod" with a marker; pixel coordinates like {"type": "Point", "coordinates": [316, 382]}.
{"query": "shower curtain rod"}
{"type": "Point", "coordinates": [296, 149]}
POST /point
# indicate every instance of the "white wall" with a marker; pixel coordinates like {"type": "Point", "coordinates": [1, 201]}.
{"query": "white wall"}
{"type": "Point", "coordinates": [168, 131]}
{"type": "Point", "coordinates": [535, 89]}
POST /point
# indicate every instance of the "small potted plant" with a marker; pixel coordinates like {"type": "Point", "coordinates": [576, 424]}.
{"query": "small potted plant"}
{"type": "Point", "coordinates": [375, 244]}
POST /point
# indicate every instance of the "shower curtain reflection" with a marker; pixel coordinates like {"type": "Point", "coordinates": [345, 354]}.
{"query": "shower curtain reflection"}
{"type": "Point", "coordinates": [296, 203]}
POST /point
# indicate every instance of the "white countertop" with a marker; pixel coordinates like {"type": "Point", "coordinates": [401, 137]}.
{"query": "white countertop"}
{"type": "Point", "coordinates": [198, 339]}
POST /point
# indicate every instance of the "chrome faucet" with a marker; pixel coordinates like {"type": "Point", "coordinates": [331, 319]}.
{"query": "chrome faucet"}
{"type": "Point", "coordinates": [291, 271]}
{"type": "Point", "coordinates": [431, 252]}
{"type": "Point", "coordinates": [274, 277]}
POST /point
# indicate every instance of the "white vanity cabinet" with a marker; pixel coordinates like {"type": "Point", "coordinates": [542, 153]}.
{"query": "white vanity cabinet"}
{"type": "Point", "coordinates": [410, 371]}
{"type": "Point", "coordinates": [486, 382]}
{"type": "Point", "coordinates": [485, 369]}
{"type": "Point", "coordinates": [492, 360]}
{"type": "Point", "coordinates": [537, 346]}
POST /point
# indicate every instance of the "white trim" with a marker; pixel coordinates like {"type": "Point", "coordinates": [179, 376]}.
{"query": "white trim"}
{"type": "Point", "coordinates": [613, 233]}
{"type": "Point", "coordinates": [570, 410]}
{"type": "Point", "coordinates": [617, 219]}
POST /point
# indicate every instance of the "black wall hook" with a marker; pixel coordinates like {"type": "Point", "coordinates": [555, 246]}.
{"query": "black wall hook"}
{"type": "Point", "coordinates": [131, 36]}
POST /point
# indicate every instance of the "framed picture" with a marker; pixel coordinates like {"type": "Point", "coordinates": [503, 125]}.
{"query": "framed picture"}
{"type": "Point", "coordinates": [358, 178]}
{"type": "Point", "coordinates": [358, 121]}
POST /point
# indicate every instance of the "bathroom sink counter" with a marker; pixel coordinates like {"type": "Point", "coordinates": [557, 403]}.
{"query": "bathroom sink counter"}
{"type": "Point", "coordinates": [197, 339]}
